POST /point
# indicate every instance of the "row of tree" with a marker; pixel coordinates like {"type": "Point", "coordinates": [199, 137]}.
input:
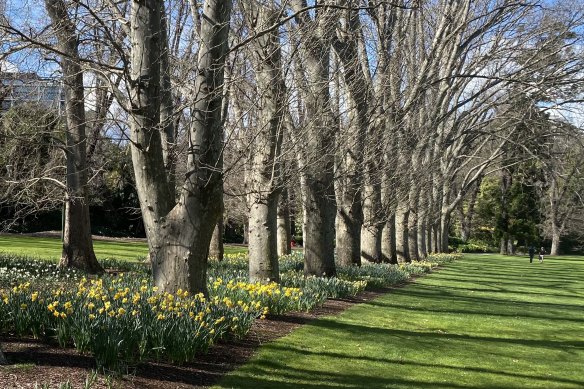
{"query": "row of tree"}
{"type": "Point", "coordinates": [375, 120]}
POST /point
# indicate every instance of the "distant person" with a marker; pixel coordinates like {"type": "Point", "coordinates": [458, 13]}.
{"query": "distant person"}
{"type": "Point", "coordinates": [541, 254]}
{"type": "Point", "coordinates": [531, 251]}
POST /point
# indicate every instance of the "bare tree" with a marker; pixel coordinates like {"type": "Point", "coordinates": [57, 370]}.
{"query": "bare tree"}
{"type": "Point", "coordinates": [564, 176]}
{"type": "Point", "coordinates": [77, 242]}
{"type": "Point", "coordinates": [264, 182]}
{"type": "Point", "coordinates": [316, 153]}
{"type": "Point", "coordinates": [284, 233]}
{"type": "Point", "coordinates": [178, 234]}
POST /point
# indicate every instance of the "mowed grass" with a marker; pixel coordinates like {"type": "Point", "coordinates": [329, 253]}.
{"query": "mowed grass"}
{"type": "Point", "coordinates": [50, 248]}
{"type": "Point", "coordinates": [486, 321]}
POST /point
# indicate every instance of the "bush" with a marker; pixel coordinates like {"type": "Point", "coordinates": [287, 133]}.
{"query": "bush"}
{"type": "Point", "coordinates": [475, 246]}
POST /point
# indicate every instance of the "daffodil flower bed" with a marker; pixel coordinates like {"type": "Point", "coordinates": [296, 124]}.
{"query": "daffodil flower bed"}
{"type": "Point", "coordinates": [123, 319]}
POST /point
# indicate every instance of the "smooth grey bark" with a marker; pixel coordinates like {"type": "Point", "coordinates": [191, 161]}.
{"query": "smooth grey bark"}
{"type": "Point", "coordinates": [216, 247]}
{"type": "Point", "coordinates": [388, 243]}
{"type": "Point", "coordinates": [371, 230]}
{"type": "Point", "coordinates": [388, 233]}
{"type": "Point", "coordinates": [348, 198]}
{"type": "Point", "coordinates": [245, 232]}
{"type": "Point", "coordinates": [348, 238]}
{"type": "Point", "coordinates": [371, 243]}
{"type": "Point", "coordinates": [401, 232]}
{"type": "Point", "coordinates": [178, 234]}
{"type": "Point", "coordinates": [436, 213]}
{"type": "Point", "coordinates": [317, 154]}
{"type": "Point", "coordinates": [437, 237]}
{"type": "Point", "coordinates": [445, 217]}
{"type": "Point", "coordinates": [557, 217]}
{"type": "Point", "coordinates": [444, 231]}
{"type": "Point", "coordinates": [422, 233]}
{"type": "Point", "coordinates": [413, 215]}
{"type": "Point", "coordinates": [355, 71]}
{"type": "Point", "coordinates": [77, 242]}
{"type": "Point", "coordinates": [263, 254]}
{"type": "Point", "coordinates": [284, 233]}
{"type": "Point", "coordinates": [167, 117]}
{"type": "Point", "coordinates": [557, 224]}
{"type": "Point", "coordinates": [556, 238]}
{"type": "Point", "coordinates": [412, 235]}
{"type": "Point", "coordinates": [349, 214]}
{"type": "Point", "coordinates": [265, 171]}
{"type": "Point", "coordinates": [387, 91]}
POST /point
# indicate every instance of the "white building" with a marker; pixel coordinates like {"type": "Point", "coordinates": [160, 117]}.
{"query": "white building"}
{"type": "Point", "coordinates": [17, 88]}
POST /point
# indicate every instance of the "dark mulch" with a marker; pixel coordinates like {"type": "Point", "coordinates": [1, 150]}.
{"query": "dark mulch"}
{"type": "Point", "coordinates": [31, 361]}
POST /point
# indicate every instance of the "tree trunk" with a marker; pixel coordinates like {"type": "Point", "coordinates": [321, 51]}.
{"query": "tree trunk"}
{"type": "Point", "coordinates": [216, 248]}
{"type": "Point", "coordinates": [317, 143]}
{"type": "Point", "coordinates": [319, 229]}
{"type": "Point", "coordinates": [511, 246]}
{"type": "Point", "coordinates": [555, 219]}
{"type": "Point", "coordinates": [246, 232]}
{"type": "Point", "coordinates": [358, 208]}
{"type": "Point", "coordinates": [284, 233]}
{"type": "Point", "coordinates": [422, 226]}
{"type": "Point", "coordinates": [167, 114]}
{"type": "Point", "coordinates": [464, 231]}
{"type": "Point", "coordinates": [265, 170]}
{"type": "Point", "coordinates": [503, 224]}
{"type": "Point", "coordinates": [436, 215]}
{"type": "Point", "coordinates": [556, 235]}
{"type": "Point", "coordinates": [263, 254]}
{"type": "Point", "coordinates": [371, 231]}
{"type": "Point", "coordinates": [430, 238]}
{"type": "Point", "coordinates": [466, 217]}
{"type": "Point", "coordinates": [401, 232]}
{"type": "Point", "coordinates": [77, 243]}
{"type": "Point", "coordinates": [412, 235]}
{"type": "Point", "coordinates": [3, 360]}
{"type": "Point", "coordinates": [503, 246]}
{"type": "Point", "coordinates": [444, 231]}
{"type": "Point", "coordinates": [437, 237]}
{"type": "Point", "coordinates": [348, 236]}
{"type": "Point", "coordinates": [178, 236]}
{"type": "Point", "coordinates": [371, 243]}
{"type": "Point", "coordinates": [388, 243]}
{"type": "Point", "coordinates": [349, 213]}
{"type": "Point", "coordinates": [414, 204]}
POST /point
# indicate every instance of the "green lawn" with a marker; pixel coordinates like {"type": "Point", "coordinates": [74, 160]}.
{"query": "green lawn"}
{"type": "Point", "coordinates": [486, 321]}
{"type": "Point", "coordinates": [50, 248]}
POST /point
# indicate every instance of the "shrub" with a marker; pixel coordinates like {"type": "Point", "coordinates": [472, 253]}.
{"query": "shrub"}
{"type": "Point", "coordinates": [473, 246]}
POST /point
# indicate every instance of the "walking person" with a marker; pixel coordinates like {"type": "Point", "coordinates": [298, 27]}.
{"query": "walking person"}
{"type": "Point", "coordinates": [541, 254]}
{"type": "Point", "coordinates": [531, 251]}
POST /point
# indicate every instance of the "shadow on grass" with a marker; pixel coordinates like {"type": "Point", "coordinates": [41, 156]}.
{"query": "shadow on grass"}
{"type": "Point", "coordinates": [262, 376]}
{"type": "Point", "coordinates": [440, 336]}
{"type": "Point", "coordinates": [531, 302]}
{"type": "Point", "coordinates": [265, 367]}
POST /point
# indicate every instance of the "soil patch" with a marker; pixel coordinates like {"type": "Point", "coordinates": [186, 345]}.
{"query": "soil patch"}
{"type": "Point", "coordinates": [31, 361]}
